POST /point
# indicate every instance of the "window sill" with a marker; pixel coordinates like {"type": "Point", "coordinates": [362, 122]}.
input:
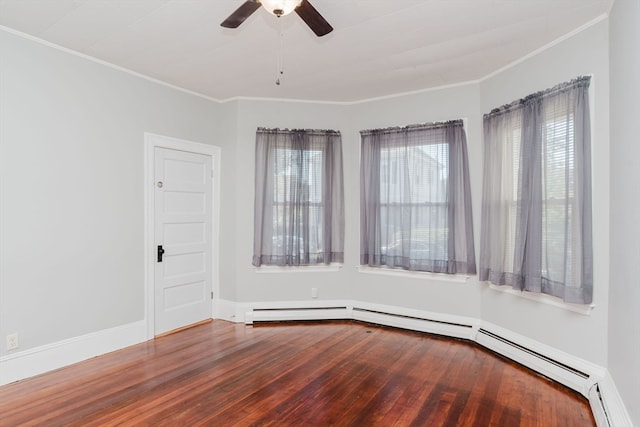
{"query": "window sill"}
{"type": "Point", "coordinates": [455, 278]}
{"type": "Point", "coordinates": [545, 299]}
{"type": "Point", "coordinates": [323, 268]}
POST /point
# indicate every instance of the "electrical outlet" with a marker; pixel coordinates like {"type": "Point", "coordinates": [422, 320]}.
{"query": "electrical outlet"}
{"type": "Point", "coordinates": [12, 341]}
{"type": "Point", "coordinates": [314, 292]}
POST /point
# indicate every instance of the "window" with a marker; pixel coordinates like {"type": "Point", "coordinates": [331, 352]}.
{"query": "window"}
{"type": "Point", "coordinates": [536, 215]}
{"type": "Point", "coordinates": [415, 210]}
{"type": "Point", "coordinates": [299, 202]}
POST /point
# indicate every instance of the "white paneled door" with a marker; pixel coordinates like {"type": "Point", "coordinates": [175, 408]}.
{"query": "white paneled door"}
{"type": "Point", "coordinates": [183, 260]}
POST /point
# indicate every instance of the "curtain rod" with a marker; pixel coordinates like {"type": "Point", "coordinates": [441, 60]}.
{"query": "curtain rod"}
{"type": "Point", "coordinates": [559, 88]}
{"type": "Point", "coordinates": [425, 126]}
{"type": "Point", "coordinates": [292, 131]}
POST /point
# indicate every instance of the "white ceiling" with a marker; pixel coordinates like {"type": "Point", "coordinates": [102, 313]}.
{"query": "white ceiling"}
{"type": "Point", "coordinates": [377, 48]}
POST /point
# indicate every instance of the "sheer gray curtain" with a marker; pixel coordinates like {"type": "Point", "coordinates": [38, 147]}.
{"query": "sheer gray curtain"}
{"type": "Point", "coordinates": [415, 202]}
{"type": "Point", "coordinates": [299, 198]}
{"type": "Point", "coordinates": [536, 207]}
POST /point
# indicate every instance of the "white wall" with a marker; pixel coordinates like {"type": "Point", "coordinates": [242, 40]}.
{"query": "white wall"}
{"type": "Point", "coordinates": [586, 53]}
{"type": "Point", "coordinates": [227, 119]}
{"type": "Point", "coordinates": [249, 285]}
{"type": "Point", "coordinates": [426, 294]}
{"type": "Point", "coordinates": [584, 336]}
{"type": "Point", "coordinates": [624, 292]}
{"type": "Point", "coordinates": [71, 195]}
{"type": "Point", "coordinates": [430, 294]}
{"type": "Point", "coordinates": [71, 186]}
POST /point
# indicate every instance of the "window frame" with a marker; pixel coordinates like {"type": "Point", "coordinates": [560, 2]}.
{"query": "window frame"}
{"type": "Point", "coordinates": [546, 180]}
{"type": "Point", "coordinates": [274, 204]}
{"type": "Point", "coordinates": [369, 261]}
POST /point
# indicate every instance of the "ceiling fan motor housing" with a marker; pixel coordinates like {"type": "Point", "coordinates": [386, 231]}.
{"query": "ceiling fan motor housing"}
{"type": "Point", "coordinates": [279, 8]}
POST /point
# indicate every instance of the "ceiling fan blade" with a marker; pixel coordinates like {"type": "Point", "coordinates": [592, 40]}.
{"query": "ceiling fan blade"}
{"type": "Point", "coordinates": [241, 14]}
{"type": "Point", "coordinates": [313, 19]}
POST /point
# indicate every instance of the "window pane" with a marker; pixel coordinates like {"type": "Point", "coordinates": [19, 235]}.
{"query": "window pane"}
{"type": "Point", "coordinates": [558, 183]}
{"type": "Point", "coordinates": [416, 204]}
{"type": "Point", "coordinates": [414, 215]}
{"type": "Point", "coordinates": [297, 209]}
{"type": "Point", "coordinates": [299, 198]}
{"type": "Point", "coordinates": [547, 137]}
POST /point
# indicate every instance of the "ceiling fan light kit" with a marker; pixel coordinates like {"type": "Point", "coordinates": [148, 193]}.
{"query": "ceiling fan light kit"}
{"type": "Point", "coordinates": [279, 8]}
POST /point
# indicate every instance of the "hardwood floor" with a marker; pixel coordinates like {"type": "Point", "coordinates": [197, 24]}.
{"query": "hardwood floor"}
{"type": "Point", "coordinates": [338, 373]}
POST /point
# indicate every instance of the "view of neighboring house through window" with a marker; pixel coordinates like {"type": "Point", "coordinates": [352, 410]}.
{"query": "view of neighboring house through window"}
{"type": "Point", "coordinates": [413, 182]}
{"type": "Point", "coordinates": [415, 199]}
{"type": "Point", "coordinates": [299, 206]}
{"type": "Point", "coordinates": [536, 215]}
{"type": "Point", "coordinates": [298, 229]}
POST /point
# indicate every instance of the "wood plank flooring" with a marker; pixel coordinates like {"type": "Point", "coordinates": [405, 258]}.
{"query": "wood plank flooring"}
{"type": "Point", "coordinates": [338, 373]}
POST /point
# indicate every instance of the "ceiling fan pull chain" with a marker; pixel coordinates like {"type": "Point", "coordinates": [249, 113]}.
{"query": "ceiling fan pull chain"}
{"type": "Point", "coordinates": [280, 55]}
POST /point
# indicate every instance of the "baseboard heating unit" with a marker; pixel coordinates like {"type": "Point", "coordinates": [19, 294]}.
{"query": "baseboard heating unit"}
{"type": "Point", "coordinates": [545, 363]}
{"type": "Point", "coordinates": [599, 408]}
{"type": "Point", "coordinates": [414, 323]}
{"type": "Point", "coordinates": [590, 380]}
{"type": "Point", "coordinates": [296, 313]}
{"type": "Point", "coordinates": [421, 323]}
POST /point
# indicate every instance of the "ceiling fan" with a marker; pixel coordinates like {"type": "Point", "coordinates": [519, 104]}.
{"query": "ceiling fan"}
{"type": "Point", "coordinates": [279, 8]}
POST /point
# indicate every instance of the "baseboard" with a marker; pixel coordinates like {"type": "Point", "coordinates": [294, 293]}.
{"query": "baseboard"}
{"type": "Point", "coordinates": [296, 310]}
{"type": "Point", "coordinates": [415, 320]}
{"type": "Point", "coordinates": [589, 379]}
{"type": "Point", "coordinates": [18, 366]}
{"type": "Point", "coordinates": [398, 317]}
{"type": "Point", "coordinates": [564, 368]}
{"type": "Point", "coordinates": [278, 315]}
{"type": "Point", "coordinates": [229, 310]}
{"type": "Point", "coordinates": [596, 402]}
{"type": "Point", "coordinates": [607, 405]}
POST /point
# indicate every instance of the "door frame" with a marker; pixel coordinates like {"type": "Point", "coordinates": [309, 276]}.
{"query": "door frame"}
{"type": "Point", "coordinates": [151, 142]}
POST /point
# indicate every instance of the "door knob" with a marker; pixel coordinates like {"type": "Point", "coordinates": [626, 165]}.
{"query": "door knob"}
{"type": "Point", "coordinates": [160, 253]}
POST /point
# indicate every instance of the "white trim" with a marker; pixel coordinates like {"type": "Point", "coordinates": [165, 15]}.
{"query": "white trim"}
{"type": "Point", "coordinates": [296, 310]}
{"type": "Point", "coordinates": [231, 99]}
{"type": "Point", "coordinates": [547, 46]}
{"type": "Point", "coordinates": [571, 371]}
{"type": "Point", "coordinates": [314, 303]}
{"type": "Point", "coordinates": [399, 317]}
{"type": "Point", "coordinates": [215, 225]}
{"type": "Point", "coordinates": [229, 310]}
{"type": "Point", "coordinates": [152, 141]}
{"type": "Point", "coordinates": [328, 313]}
{"type": "Point", "coordinates": [527, 358]}
{"type": "Point", "coordinates": [285, 100]}
{"type": "Point", "coordinates": [544, 299]}
{"type": "Point", "coordinates": [104, 63]}
{"type": "Point", "coordinates": [440, 277]}
{"type": "Point", "coordinates": [308, 101]}
{"type": "Point", "coordinates": [607, 405]}
{"type": "Point", "coordinates": [420, 314]}
{"type": "Point", "coordinates": [320, 268]}
{"type": "Point", "coordinates": [3, 300]}
{"type": "Point", "coordinates": [416, 320]}
{"type": "Point", "coordinates": [48, 357]}
{"type": "Point", "coordinates": [597, 407]}
{"type": "Point", "coordinates": [414, 92]}
{"type": "Point", "coordinates": [357, 101]}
